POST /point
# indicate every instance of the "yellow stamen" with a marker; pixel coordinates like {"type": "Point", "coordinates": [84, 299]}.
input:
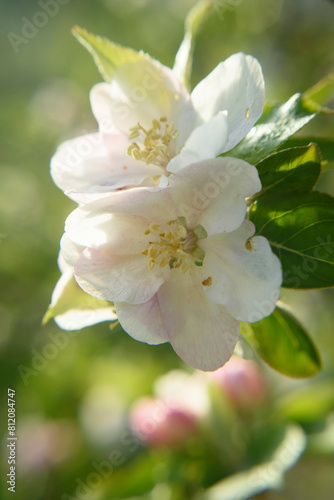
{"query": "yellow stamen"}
{"type": "Point", "coordinates": [176, 247]}
{"type": "Point", "coordinates": [164, 261]}
{"type": "Point", "coordinates": [153, 252]}
{"type": "Point", "coordinates": [151, 264]}
{"type": "Point", "coordinates": [156, 142]}
{"type": "Point", "coordinates": [136, 154]}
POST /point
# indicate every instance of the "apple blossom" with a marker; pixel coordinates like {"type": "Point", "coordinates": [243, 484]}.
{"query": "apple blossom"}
{"type": "Point", "coordinates": [181, 263]}
{"type": "Point", "coordinates": [149, 125]}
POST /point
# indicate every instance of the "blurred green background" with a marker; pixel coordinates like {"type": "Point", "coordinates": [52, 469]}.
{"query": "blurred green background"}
{"type": "Point", "coordinates": [73, 399]}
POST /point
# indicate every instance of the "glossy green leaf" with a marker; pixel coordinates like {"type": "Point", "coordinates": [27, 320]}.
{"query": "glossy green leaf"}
{"type": "Point", "coordinates": [184, 57]}
{"type": "Point", "coordinates": [325, 145]}
{"type": "Point", "coordinates": [267, 475]}
{"type": "Point", "coordinates": [72, 299]}
{"type": "Point", "coordinates": [279, 124]}
{"type": "Point", "coordinates": [108, 56]}
{"type": "Point", "coordinates": [300, 230]}
{"type": "Point", "coordinates": [295, 169]}
{"type": "Point", "coordinates": [281, 341]}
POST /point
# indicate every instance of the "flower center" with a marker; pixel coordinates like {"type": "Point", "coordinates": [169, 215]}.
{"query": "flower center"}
{"type": "Point", "coordinates": [176, 246]}
{"type": "Point", "coordinates": [154, 145]}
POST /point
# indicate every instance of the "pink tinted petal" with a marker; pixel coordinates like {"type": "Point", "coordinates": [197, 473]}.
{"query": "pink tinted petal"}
{"type": "Point", "coordinates": [202, 333]}
{"type": "Point", "coordinates": [235, 85]}
{"type": "Point", "coordinates": [144, 322]}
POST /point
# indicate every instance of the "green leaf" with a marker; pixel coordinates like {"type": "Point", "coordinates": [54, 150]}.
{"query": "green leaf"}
{"type": "Point", "coordinates": [295, 169]}
{"type": "Point", "coordinates": [108, 56]}
{"type": "Point", "coordinates": [73, 298]}
{"type": "Point", "coordinates": [300, 230]}
{"type": "Point", "coordinates": [279, 124]}
{"type": "Point", "coordinates": [267, 475]}
{"type": "Point", "coordinates": [326, 145]}
{"type": "Point", "coordinates": [281, 341]}
{"type": "Point", "coordinates": [184, 57]}
{"type": "Point", "coordinates": [321, 93]}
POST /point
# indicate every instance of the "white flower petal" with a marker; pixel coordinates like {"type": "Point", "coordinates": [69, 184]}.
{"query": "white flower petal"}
{"type": "Point", "coordinates": [235, 85]}
{"type": "Point", "coordinates": [212, 193]}
{"type": "Point", "coordinates": [75, 318]}
{"type": "Point", "coordinates": [246, 275]}
{"type": "Point", "coordinates": [144, 322]}
{"type": "Point", "coordinates": [116, 278]}
{"type": "Point", "coordinates": [88, 164]}
{"type": "Point", "coordinates": [69, 253]}
{"type": "Point", "coordinates": [88, 228]}
{"type": "Point", "coordinates": [202, 333]}
{"type": "Point", "coordinates": [206, 141]}
{"type": "Point", "coordinates": [98, 223]}
{"type": "Point", "coordinates": [139, 92]}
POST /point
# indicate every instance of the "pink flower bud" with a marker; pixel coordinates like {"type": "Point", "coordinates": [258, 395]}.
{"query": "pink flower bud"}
{"type": "Point", "coordinates": [158, 424]}
{"type": "Point", "coordinates": [242, 382]}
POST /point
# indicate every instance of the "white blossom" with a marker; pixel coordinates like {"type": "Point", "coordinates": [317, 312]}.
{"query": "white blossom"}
{"type": "Point", "coordinates": [150, 126]}
{"type": "Point", "coordinates": [180, 263]}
